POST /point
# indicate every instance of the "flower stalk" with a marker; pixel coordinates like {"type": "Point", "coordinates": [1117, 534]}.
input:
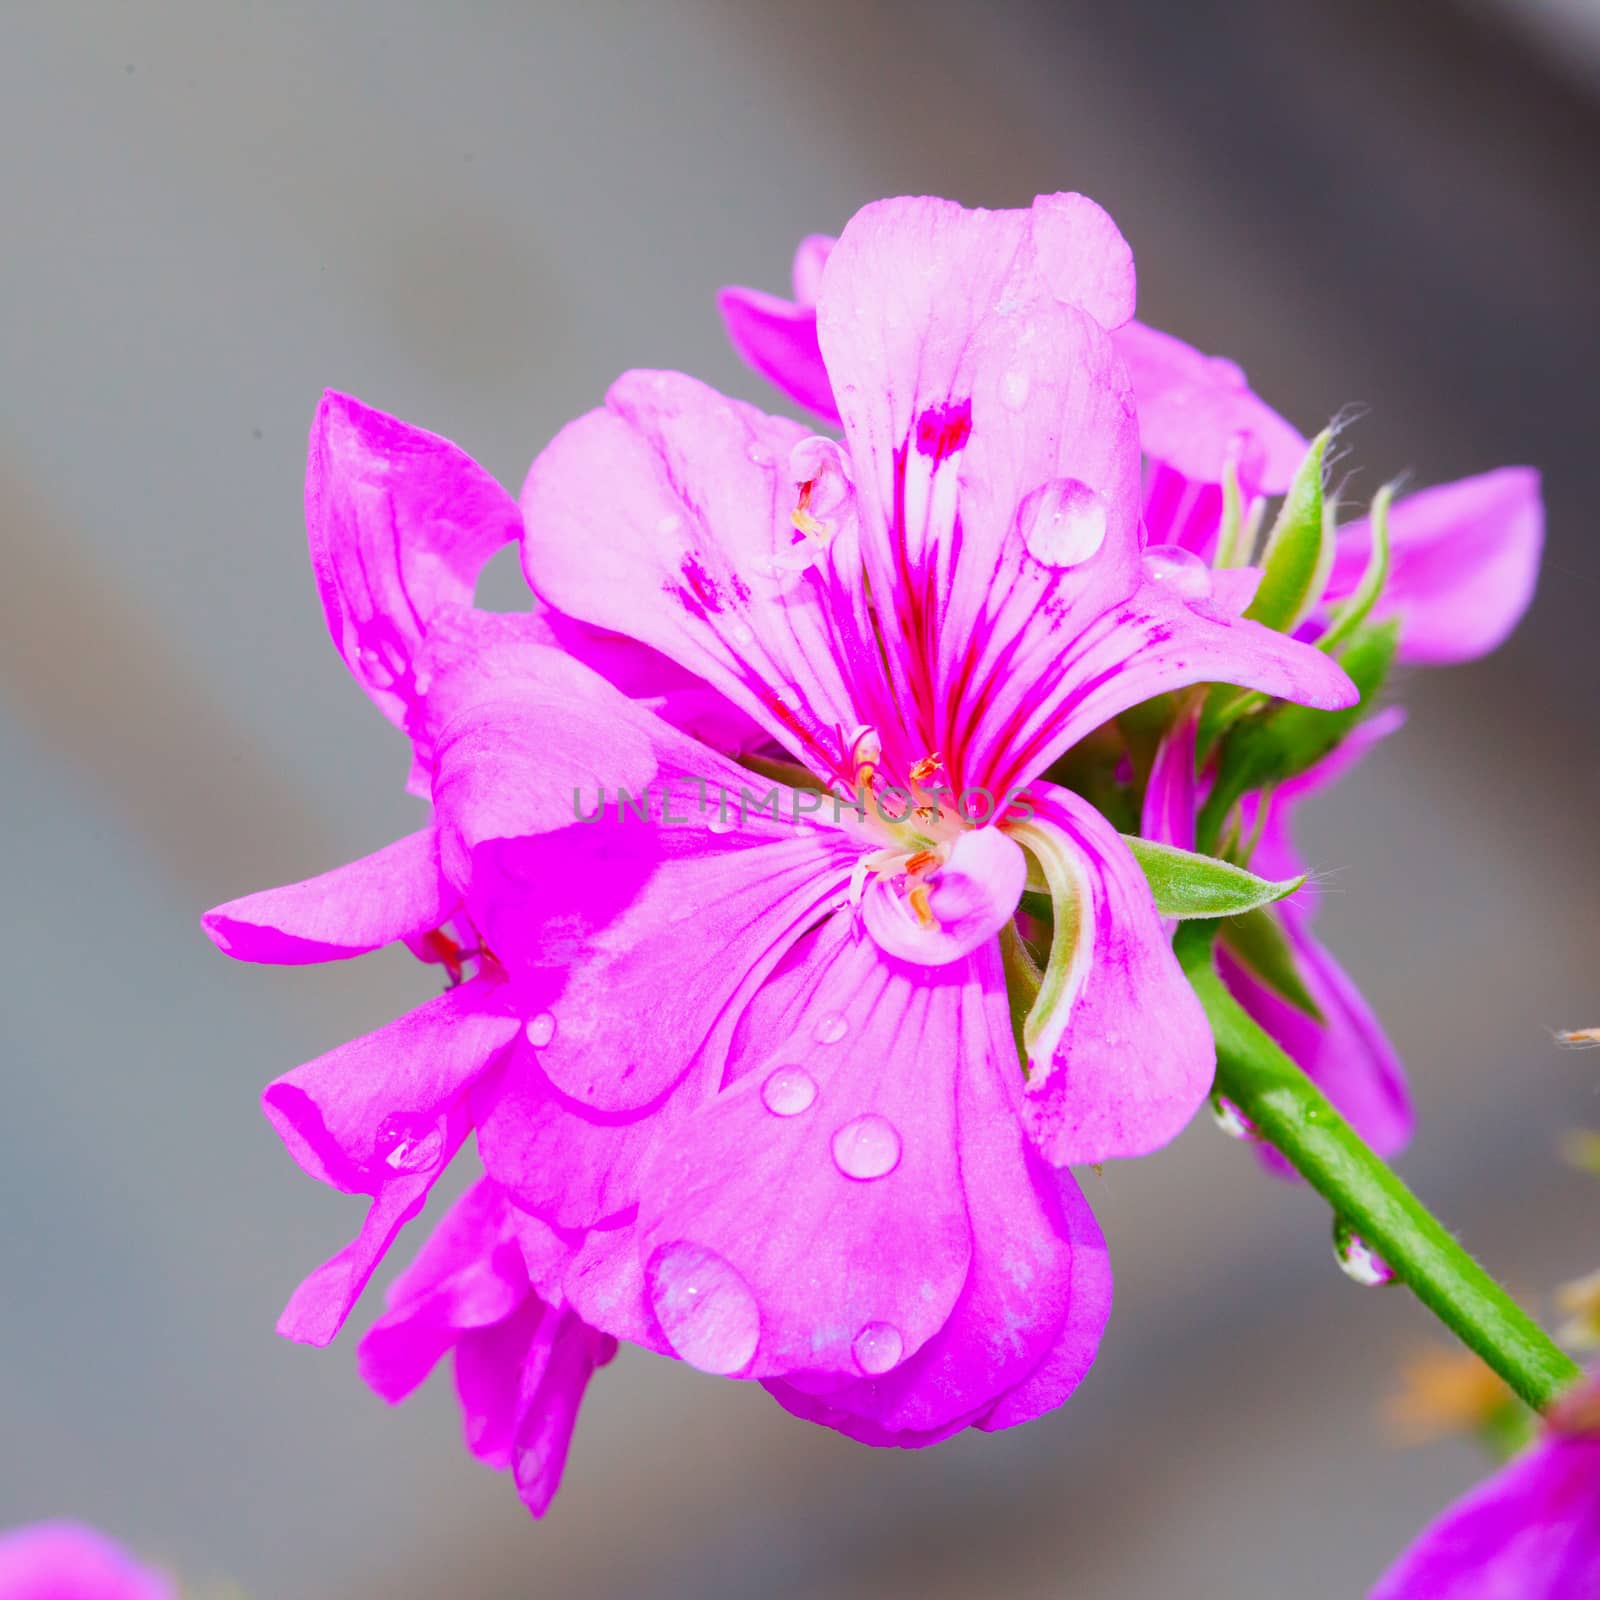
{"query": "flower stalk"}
{"type": "Point", "coordinates": [1295, 1117]}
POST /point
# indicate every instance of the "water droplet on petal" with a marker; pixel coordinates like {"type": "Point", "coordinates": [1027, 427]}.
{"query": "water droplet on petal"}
{"type": "Point", "coordinates": [704, 1307]}
{"type": "Point", "coordinates": [788, 1091]}
{"type": "Point", "coordinates": [1232, 1120]}
{"type": "Point", "coordinates": [669, 524]}
{"type": "Point", "coordinates": [1014, 389]}
{"type": "Point", "coordinates": [1063, 522]}
{"type": "Point", "coordinates": [831, 1029]}
{"type": "Point", "coordinates": [541, 1030]}
{"type": "Point", "coordinates": [1357, 1259]}
{"type": "Point", "coordinates": [759, 455]}
{"type": "Point", "coordinates": [877, 1348]}
{"type": "Point", "coordinates": [719, 820]}
{"type": "Point", "coordinates": [376, 669]}
{"type": "Point", "coordinates": [1180, 570]}
{"type": "Point", "coordinates": [409, 1143]}
{"type": "Point", "coordinates": [867, 1147]}
{"type": "Point", "coordinates": [740, 632]}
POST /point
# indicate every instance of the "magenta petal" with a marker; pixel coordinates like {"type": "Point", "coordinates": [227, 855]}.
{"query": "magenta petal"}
{"type": "Point", "coordinates": [972, 897]}
{"type": "Point", "coordinates": [690, 547]}
{"type": "Point", "coordinates": [1197, 412]}
{"type": "Point", "coordinates": [810, 1218]}
{"type": "Point", "coordinates": [381, 1116]}
{"type": "Point", "coordinates": [68, 1561]}
{"type": "Point", "coordinates": [1530, 1532]}
{"type": "Point", "coordinates": [468, 1275]}
{"type": "Point", "coordinates": [401, 523]}
{"type": "Point", "coordinates": [1158, 640]}
{"type": "Point", "coordinates": [1124, 1063]}
{"type": "Point", "coordinates": [992, 437]}
{"type": "Point", "coordinates": [395, 893]}
{"type": "Point", "coordinates": [1171, 797]}
{"type": "Point", "coordinates": [1463, 565]}
{"type": "Point", "coordinates": [1035, 1303]}
{"type": "Point", "coordinates": [778, 339]}
{"type": "Point", "coordinates": [552, 1390]}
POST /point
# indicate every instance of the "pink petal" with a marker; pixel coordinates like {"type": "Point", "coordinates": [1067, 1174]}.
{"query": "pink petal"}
{"type": "Point", "coordinates": [395, 893]}
{"type": "Point", "coordinates": [1127, 1060]}
{"type": "Point", "coordinates": [689, 548]}
{"type": "Point", "coordinates": [68, 1561]}
{"type": "Point", "coordinates": [1035, 1303]}
{"type": "Point", "coordinates": [1086, 667]}
{"type": "Point", "coordinates": [972, 897]}
{"type": "Point", "coordinates": [1171, 798]}
{"type": "Point", "coordinates": [469, 1275]}
{"type": "Point", "coordinates": [778, 339]}
{"type": "Point", "coordinates": [990, 428]}
{"type": "Point", "coordinates": [553, 1387]}
{"type": "Point", "coordinates": [521, 733]}
{"type": "Point", "coordinates": [382, 1116]}
{"type": "Point", "coordinates": [1532, 1531]}
{"type": "Point", "coordinates": [1197, 411]}
{"type": "Point", "coordinates": [1464, 562]}
{"type": "Point", "coordinates": [810, 1218]}
{"type": "Point", "coordinates": [401, 523]}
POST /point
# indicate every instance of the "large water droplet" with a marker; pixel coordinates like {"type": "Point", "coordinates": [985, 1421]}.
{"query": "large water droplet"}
{"type": "Point", "coordinates": [704, 1307]}
{"type": "Point", "coordinates": [541, 1030]}
{"type": "Point", "coordinates": [1063, 522]}
{"type": "Point", "coordinates": [1180, 570]}
{"type": "Point", "coordinates": [719, 821]}
{"type": "Point", "coordinates": [831, 1029]}
{"type": "Point", "coordinates": [877, 1348]}
{"type": "Point", "coordinates": [1014, 389]}
{"type": "Point", "coordinates": [788, 1091]}
{"type": "Point", "coordinates": [409, 1142]}
{"type": "Point", "coordinates": [867, 1147]}
{"type": "Point", "coordinates": [1357, 1259]}
{"type": "Point", "coordinates": [1231, 1119]}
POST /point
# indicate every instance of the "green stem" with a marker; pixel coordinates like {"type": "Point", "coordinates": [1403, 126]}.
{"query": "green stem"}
{"type": "Point", "coordinates": [1292, 1114]}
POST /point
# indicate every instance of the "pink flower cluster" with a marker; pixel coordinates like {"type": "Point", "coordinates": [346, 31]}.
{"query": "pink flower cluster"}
{"type": "Point", "coordinates": [750, 1094]}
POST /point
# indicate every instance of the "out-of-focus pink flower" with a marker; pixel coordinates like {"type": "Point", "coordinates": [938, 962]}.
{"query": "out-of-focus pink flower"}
{"type": "Point", "coordinates": [521, 1363]}
{"type": "Point", "coordinates": [1530, 1532]}
{"type": "Point", "coordinates": [68, 1561]}
{"type": "Point", "coordinates": [1465, 555]}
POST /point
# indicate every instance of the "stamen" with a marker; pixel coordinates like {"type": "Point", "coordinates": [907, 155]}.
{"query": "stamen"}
{"type": "Point", "coordinates": [920, 903]}
{"type": "Point", "coordinates": [926, 767]}
{"type": "Point", "coordinates": [801, 516]}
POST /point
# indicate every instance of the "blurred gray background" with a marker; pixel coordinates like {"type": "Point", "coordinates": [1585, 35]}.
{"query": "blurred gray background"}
{"type": "Point", "coordinates": [475, 216]}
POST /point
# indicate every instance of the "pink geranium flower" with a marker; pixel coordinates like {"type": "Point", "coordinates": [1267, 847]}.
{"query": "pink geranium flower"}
{"type": "Point", "coordinates": [68, 1561]}
{"type": "Point", "coordinates": [757, 1075]}
{"type": "Point", "coordinates": [1532, 1531]}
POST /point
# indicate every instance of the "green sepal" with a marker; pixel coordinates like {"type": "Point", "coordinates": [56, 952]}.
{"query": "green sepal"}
{"type": "Point", "coordinates": [1299, 553]}
{"type": "Point", "coordinates": [1257, 942]}
{"type": "Point", "coordinates": [1188, 885]}
{"type": "Point", "coordinates": [1349, 616]}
